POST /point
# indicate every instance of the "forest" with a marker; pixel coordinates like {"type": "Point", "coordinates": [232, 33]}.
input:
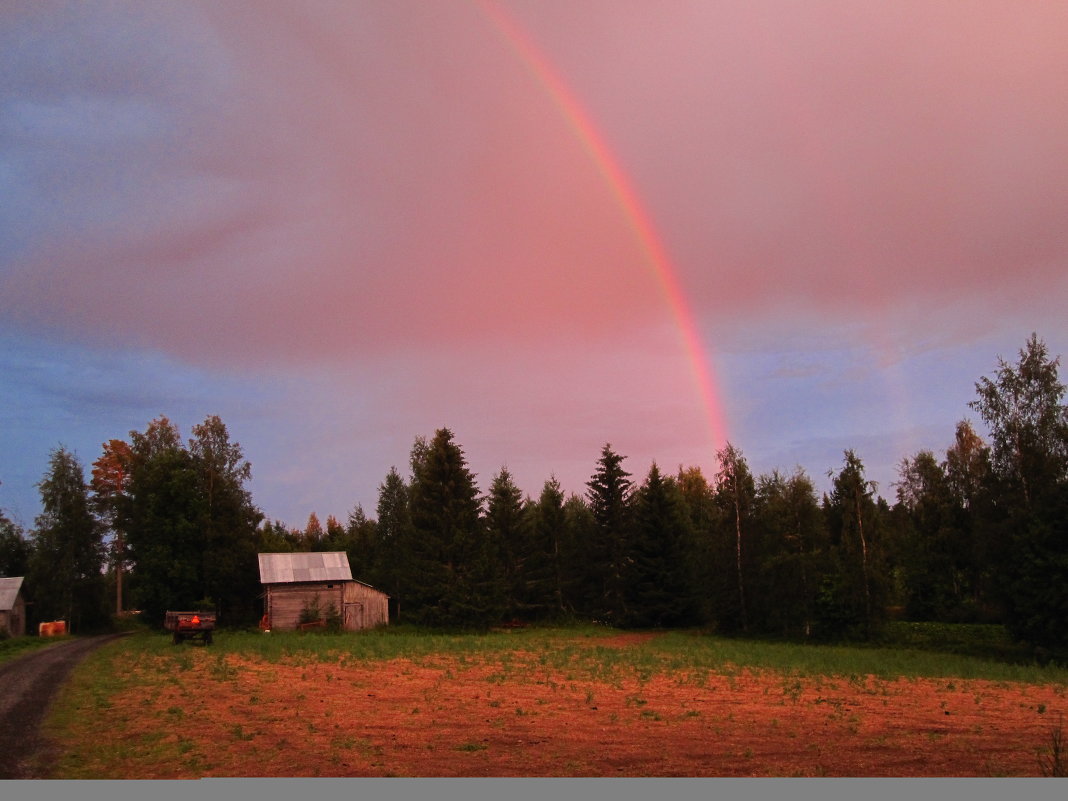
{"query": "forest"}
{"type": "Point", "coordinates": [979, 535]}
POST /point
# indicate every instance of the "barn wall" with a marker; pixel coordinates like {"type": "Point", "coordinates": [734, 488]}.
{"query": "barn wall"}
{"type": "Point", "coordinates": [13, 620]}
{"type": "Point", "coordinates": [365, 607]}
{"type": "Point", "coordinates": [285, 602]}
{"type": "Point", "coordinates": [360, 606]}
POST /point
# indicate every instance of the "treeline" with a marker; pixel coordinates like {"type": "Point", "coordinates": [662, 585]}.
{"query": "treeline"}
{"type": "Point", "coordinates": [184, 530]}
{"type": "Point", "coordinates": [979, 535]}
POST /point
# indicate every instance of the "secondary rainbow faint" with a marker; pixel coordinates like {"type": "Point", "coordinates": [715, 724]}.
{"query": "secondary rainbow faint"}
{"type": "Point", "coordinates": [638, 217]}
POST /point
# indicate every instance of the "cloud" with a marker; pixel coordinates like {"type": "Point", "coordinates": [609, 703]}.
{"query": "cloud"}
{"type": "Point", "coordinates": [843, 157]}
{"type": "Point", "coordinates": [269, 183]}
{"type": "Point", "coordinates": [375, 219]}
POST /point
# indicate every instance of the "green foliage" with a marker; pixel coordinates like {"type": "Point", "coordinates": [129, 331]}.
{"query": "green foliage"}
{"type": "Point", "coordinates": [733, 540]}
{"type": "Point", "coordinates": [66, 578]}
{"type": "Point", "coordinates": [395, 536]}
{"type": "Point", "coordinates": [703, 564]}
{"type": "Point", "coordinates": [555, 543]}
{"type": "Point", "coordinates": [658, 591]}
{"type": "Point", "coordinates": [792, 553]}
{"type": "Point", "coordinates": [981, 535]}
{"type": "Point", "coordinates": [274, 536]}
{"type": "Point", "coordinates": [1023, 407]}
{"type": "Point", "coordinates": [855, 593]}
{"type": "Point", "coordinates": [453, 577]}
{"type": "Point", "coordinates": [1053, 758]}
{"type": "Point", "coordinates": [190, 524]}
{"type": "Point", "coordinates": [607, 550]}
{"type": "Point", "coordinates": [14, 549]}
{"type": "Point", "coordinates": [163, 527]}
{"type": "Point", "coordinates": [229, 571]}
{"type": "Point", "coordinates": [933, 547]}
{"type": "Point", "coordinates": [313, 611]}
{"type": "Point", "coordinates": [360, 540]}
{"type": "Point", "coordinates": [14, 647]}
{"type": "Point", "coordinates": [526, 570]}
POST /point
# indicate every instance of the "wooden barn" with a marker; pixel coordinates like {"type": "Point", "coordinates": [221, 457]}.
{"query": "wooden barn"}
{"type": "Point", "coordinates": [294, 582]}
{"type": "Point", "coordinates": [12, 607]}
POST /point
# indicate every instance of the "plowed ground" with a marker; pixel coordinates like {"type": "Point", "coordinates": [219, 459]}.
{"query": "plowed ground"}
{"type": "Point", "coordinates": [452, 716]}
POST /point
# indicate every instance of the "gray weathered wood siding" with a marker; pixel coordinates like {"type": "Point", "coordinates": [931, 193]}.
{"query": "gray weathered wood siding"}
{"type": "Point", "coordinates": [364, 607]}
{"type": "Point", "coordinates": [285, 602]}
{"type": "Point", "coordinates": [13, 620]}
{"type": "Point", "coordinates": [360, 606]}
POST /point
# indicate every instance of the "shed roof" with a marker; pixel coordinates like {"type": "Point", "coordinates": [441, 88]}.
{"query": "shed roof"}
{"type": "Point", "coordinates": [285, 568]}
{"type": "Point", "coordinates": [9, 590]}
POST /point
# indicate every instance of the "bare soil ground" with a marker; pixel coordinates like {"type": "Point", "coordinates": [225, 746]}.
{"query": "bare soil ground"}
{"type": "Point", "coordinates": [446, 716]}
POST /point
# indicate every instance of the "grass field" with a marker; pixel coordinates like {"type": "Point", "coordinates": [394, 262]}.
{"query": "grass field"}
{"type": "Point", "coordinates": [583, 701]}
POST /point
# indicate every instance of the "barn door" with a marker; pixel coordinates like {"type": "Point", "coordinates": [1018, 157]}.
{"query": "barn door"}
{"type": "Point", "coordinates": [352, 616]}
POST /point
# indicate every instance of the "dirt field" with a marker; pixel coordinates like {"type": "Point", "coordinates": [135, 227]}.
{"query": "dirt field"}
{"type": "Point", "coordinates": [448, 716]}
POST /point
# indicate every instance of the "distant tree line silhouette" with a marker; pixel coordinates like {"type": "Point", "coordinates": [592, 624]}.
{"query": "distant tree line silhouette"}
{"type": "Point", "coordinates": [979, 535]}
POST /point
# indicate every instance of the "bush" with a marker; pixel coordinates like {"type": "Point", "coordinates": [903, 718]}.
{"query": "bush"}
{"type": "Point", "coordinates": [311, 611]}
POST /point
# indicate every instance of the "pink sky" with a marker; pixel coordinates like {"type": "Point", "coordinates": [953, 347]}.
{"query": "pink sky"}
{"type": "Point", "coordinates": [346, 224]}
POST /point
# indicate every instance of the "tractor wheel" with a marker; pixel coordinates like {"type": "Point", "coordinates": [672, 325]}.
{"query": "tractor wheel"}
{"type": "Point", "coordinates": [207, 638]}
{"type": "Point", "coordinates": [177, 638]}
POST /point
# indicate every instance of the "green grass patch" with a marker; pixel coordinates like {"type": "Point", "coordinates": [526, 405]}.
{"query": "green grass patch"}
{"type": "Point", "coordinates": [689, 651]}
{"type": "Point", "coordinates": [14, 647]}
{"type": "Point", "coordinates": [75, 717]}
{"type": "Point", "coordinates": [472, 747]}
{"type": "Point", "coordinates": [907, 651]}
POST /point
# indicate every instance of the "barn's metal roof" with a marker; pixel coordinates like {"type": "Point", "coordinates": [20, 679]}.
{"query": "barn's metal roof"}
{"type": "Point", "coordinates": [9, 589]}
{"type": "Point", "coordinates": [285, 568]}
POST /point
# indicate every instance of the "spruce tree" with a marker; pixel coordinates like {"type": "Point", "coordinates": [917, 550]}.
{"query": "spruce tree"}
{"type": "Point", "coordinates": [552, 537]}
{"type": "Point", "coordinates": [703, 568]}
{"type": "Point", "coordinates": [657, 589]}
{"type": "Point", "coordinates": [394, 541]}
{"type": "Point", "coordinates": [510, 530]}
{"type": "Point", "coordinates": [359, 539]}
{"type": "Point", "coordinates": [580, 575]}
{"type": "Point", "coordinates": [455, 578]}
{"type": "Point", "coordinates": [608, 553]}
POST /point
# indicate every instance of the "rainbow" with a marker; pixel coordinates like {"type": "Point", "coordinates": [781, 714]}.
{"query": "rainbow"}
{"type": "Point", "coordinates": [638, 217]}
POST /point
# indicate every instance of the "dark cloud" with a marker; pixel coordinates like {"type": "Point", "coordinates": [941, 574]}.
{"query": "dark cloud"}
{"type": "Point", "coordinates": [386, 196]}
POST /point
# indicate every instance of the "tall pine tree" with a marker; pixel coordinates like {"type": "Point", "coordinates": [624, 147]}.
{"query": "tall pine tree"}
{"type": "Point", "coordinates": [608, 552]}
{"type": "Point", "coordinates": [455, 577]}
{"type": "Point", "coordinates": [657, 588]}
{"type": "Point", "coordinates": [395, 537]}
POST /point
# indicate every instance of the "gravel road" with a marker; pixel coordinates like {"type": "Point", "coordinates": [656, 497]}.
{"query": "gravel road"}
{"type": "Point", "coordinates": [27, 686]}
